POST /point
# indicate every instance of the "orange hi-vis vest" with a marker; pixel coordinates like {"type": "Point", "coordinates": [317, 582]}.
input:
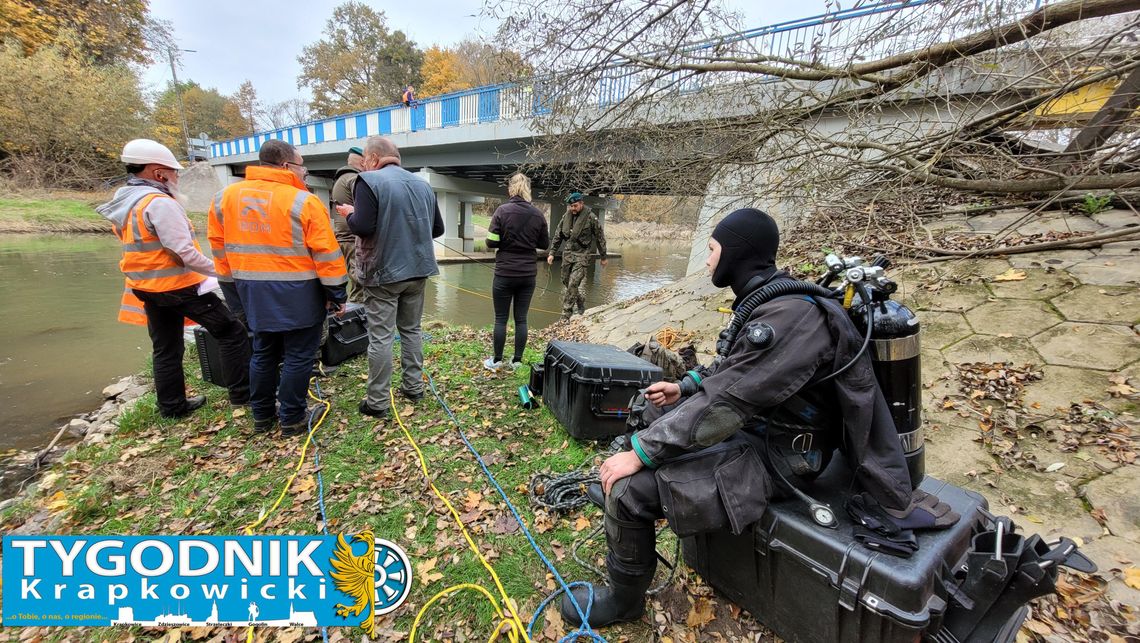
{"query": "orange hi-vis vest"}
{"type": "Point", "coordinates": [146, 263]}
{"type": "Point", "coordinates": [132, 311]}
{"type": "Point", "coordinates": [270, 228]}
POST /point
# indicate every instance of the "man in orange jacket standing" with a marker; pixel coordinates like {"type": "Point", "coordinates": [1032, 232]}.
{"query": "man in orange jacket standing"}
{"type": "Point", "coordinates": [275, 253]}
{"type": "Point", "coordinates": [165, 270]}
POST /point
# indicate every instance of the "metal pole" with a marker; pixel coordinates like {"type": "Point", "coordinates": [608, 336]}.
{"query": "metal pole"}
{"type": "Point", "coordinates": [181, 108]}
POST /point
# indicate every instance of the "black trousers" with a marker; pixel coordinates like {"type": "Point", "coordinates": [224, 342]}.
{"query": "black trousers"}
{"type": "Point", "coordinates": [164, 314]}
{"type": "Point", "coordinates": [504, 291]}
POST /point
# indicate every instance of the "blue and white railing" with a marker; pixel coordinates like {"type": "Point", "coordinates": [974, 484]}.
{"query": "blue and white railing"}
{"type": "Point", "coordinates": [833, 39]}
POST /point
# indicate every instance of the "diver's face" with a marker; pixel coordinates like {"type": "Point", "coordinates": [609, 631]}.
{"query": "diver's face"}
{"type": "Point", "coordinates": [714, 256]}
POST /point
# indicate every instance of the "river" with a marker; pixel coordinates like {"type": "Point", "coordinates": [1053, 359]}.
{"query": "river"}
{"type": "Point", "coordinates": [60, 343]}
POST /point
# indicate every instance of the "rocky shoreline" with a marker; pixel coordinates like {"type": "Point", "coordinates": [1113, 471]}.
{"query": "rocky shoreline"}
{"type": "Point", "coordinates": [94, 427]}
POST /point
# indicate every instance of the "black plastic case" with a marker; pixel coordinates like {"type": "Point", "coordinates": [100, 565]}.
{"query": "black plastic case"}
{"type": "Point", "coordinates": [348, 336]}
{"type": "Point", "coordinates": [589, 387]}
{"type": "Point", "coordinates": [810, 583]}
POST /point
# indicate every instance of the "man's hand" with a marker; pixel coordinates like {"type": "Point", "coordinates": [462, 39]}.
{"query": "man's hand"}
{"type": "Point", "coordinates": [663, 393]}
{"type": "Point", "coordinates": [618, 466]}
{"type": "Point", "coordinates": [604, 262]}
{"type": "Point", "coordinates": [344, 210]}
{"type": "Point", "coordinates": [336, 309]}
{"type": "Point", "coordinates": [550, 259]}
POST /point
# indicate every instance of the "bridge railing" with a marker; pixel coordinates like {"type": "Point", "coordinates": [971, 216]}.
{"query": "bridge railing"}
{"type": "Point", "coordinates": [833, 39]}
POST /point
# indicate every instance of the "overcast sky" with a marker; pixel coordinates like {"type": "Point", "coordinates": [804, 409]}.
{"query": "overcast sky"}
{"type": "Point", "coordinates": [260, 40]}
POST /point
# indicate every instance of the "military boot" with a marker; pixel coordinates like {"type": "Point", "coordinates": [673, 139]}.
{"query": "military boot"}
{"type": "Point", "coordinates": [631, 561]}
{"type": "Point", "coordinates": [581, 306]}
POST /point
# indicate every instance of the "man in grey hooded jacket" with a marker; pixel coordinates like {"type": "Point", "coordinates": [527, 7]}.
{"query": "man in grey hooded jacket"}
{"type": "Point", "coordinates": [166, 270]}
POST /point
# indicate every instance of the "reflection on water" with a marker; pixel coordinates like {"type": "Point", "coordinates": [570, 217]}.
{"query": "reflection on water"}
{"type": "Point", "coordinates": [60, 343]}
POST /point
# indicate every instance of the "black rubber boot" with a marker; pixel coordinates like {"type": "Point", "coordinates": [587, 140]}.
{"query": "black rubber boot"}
{"type": "Point", "coordinates": [623, 601]}
{"type": "Point", "coordinates": [631, 561]}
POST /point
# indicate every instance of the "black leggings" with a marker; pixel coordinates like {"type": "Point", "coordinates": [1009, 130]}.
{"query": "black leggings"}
{"type": "Point", "coordinates": [520, 289]}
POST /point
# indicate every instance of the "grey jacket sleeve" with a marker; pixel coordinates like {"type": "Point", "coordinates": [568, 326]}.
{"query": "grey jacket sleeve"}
{"type": "Point", "coordinates": [752, 378]}
{"type": "Point", "coordinates": [169, 222]}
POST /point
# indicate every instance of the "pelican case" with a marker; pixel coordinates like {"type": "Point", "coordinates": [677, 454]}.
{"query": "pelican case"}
{"type": "Point", "coordinates": [810, 583]}
{"type": "Point", "coordinates": [589, 387]}
{"type": "Point", "coordinates": [348, 337]}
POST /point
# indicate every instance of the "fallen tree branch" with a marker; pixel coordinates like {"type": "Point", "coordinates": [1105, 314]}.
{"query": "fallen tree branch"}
{"type": "Point", "coordinates": [1089, 241]}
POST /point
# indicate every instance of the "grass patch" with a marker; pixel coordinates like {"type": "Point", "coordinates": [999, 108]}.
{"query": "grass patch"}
{"type": "Point", "coordinates": [71, 214]}
{"type": "Point", "coordinates": [211, 473]}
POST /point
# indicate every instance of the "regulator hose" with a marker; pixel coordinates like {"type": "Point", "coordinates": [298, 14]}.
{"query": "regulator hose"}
{"type": "Point", "coordinates": [761, 296]}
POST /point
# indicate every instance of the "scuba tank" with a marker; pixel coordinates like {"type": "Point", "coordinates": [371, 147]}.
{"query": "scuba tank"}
{"type": "Point", "coordinates": [895, 357]}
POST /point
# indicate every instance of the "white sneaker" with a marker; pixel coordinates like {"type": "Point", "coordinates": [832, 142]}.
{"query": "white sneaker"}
{"type": "Point", "coordinates": [516, 366]}
{"type": "Point", "coordinates": [492, 365]}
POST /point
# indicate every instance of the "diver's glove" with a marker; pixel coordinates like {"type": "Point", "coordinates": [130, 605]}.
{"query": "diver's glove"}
{"type": "Point", "coordinates": [901, 544]}
{"type": "Point", "coordinates": [925, 511]}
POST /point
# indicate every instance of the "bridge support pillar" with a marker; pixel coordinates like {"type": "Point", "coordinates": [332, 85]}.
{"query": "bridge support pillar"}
{"type": "Point", "coordinates": [467, 225]}
{"type": "Point", "coordinates": [731, 188]}
{"type": "Point", "coordinates": [449, 206]}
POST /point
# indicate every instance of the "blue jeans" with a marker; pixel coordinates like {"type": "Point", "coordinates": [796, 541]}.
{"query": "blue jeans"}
{"type": "Point", "coordinates": [295, 351]}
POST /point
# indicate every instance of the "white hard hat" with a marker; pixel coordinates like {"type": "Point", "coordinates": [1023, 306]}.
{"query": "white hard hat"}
{"type": "Point", "coordinates": [143, 151]}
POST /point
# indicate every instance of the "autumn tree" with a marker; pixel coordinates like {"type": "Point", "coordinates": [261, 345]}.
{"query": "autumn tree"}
{"type": "Point", "coordinates": [480, 63]}
{"type": "Point", "coordinates": [104, 31]}
{"type": "Point", "coordinates": [440, 72]}
{"type": "Point", "coordinates": [292, 111]}
{"type": "Point", "coordinates": [358, 63]}
{"type": "Point", "coordinates": [64, 120]}
{"type": "Point", "coordinates": [243, 110]}
{"type": "Point", "coordinates": [206, 111]}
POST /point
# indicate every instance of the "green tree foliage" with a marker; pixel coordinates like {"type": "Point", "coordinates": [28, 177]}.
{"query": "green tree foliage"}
{"type": "Point", "coordinates": [358, 63]}
{"type": "Point", "coordinates": [206, 111]}
{"type": "Point", "coordinates": [64, 120]}
{"type": "Point", "coordinates": [105, 31]}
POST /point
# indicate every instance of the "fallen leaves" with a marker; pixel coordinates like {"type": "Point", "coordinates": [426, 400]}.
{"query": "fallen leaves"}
{"type": "Point", "coordinates": [1012, 274]}
{"type": "Point", "coordinates": [427, 573]}
{"type": "Point", "coordinates": [701, 614]}
{"type": "Point", "coordinates": [1132, 577]}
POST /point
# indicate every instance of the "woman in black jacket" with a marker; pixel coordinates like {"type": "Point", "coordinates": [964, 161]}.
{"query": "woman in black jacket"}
{"type": "Point", "coordinates": [517, 230]}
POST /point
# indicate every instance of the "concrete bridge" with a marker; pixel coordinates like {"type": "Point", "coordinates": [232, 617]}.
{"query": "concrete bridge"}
{"type": "Point", "coordinates": [466, 143]}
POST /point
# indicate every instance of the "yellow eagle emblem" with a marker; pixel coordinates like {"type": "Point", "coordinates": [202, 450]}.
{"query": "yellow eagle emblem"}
{"type": "Point", "coordinates": [355, 576]}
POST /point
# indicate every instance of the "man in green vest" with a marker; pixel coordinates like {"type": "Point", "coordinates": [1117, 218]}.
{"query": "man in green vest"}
{"type": "Point", "coordinates": [580, 231]}
{"type": "Point", "coordinates": [342, 191]}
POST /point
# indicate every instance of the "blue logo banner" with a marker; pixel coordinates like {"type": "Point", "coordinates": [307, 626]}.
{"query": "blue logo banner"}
{"type": "Point", "coordinates": [202, 580]}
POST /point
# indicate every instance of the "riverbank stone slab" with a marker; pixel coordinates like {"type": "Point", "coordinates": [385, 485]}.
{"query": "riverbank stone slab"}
{"type": "Point", "coordinates": [991, 348]}
{"type": "Point", "coordinates": [1117, 218]}
{"type": "Point", "coordinates": [1107, 347]}
{"type": "Point", "coordinates": [941, 329]}
{"type": "Point", "coordinates": [1060, 386]}
{"type": "Point", "coordinates": [1120, 248]}
{"type": "Point", "coordinates": [1109, 270]}
{"type": "Point", "coordinates": [1100, 303]}
{"type": "Point", "coordinates": [1114, 552]}
{"type": "Point", "coordinates": [1115, 494]}
{"type": "Point", "coordinates": [997, 221]}
{"type": "Point", "coordinates": [1057, 259]}
{"type": "Point", "coordinates": [951, 297]}
{"type": "Point", "coordinates": [1013, 316]}
{"type": "Point", "coordinates": [1061, 223]}
{"type": "Point", "coordinates": [1038, 284]}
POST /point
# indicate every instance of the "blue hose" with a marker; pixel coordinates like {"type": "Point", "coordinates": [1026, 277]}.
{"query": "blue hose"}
{"type": "Point", "coordinates": [584, 630]}
{"type": "Point", "coordinates": [320, 487]}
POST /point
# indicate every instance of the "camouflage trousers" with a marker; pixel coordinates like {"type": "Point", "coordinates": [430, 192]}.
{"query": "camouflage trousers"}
{"type": "Point", "coordinates": [355, 290]}
{"type": "Point", "coordinates": [573, 296]}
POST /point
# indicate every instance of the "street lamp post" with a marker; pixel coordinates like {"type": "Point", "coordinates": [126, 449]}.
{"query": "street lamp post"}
{"type": "Point", "coordinates": [172, 54]}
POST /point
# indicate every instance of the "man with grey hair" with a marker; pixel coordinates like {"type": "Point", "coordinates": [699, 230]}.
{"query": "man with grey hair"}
{"type": "Point", "coordinates": [394, 216]}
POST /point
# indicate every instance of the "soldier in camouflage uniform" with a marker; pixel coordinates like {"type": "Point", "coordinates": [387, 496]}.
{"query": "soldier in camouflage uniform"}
{"type": "Point", "coordinates": [579, 232]}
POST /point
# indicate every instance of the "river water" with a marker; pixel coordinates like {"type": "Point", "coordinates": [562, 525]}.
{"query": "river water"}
{"type": "Point", "coordinates": [60, 343]}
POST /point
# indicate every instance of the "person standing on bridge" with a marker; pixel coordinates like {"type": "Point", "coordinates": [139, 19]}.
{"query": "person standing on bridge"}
{"type": "Point", "coordinates": [274, 246]}
{"type": "Point", "coordinates": [395, 216]}
{"type": "Point", "coordinates": [409, 96]}
{"type": "Point", "coordinates": [517, 230]}
{"type": "Point", "coordinates": [580, 232]}
{"type": "Point", "coordinates": [165, 271]}
{"type": "Point", "coordinates": [343, 184]}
